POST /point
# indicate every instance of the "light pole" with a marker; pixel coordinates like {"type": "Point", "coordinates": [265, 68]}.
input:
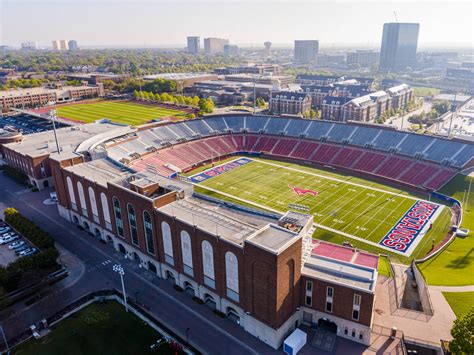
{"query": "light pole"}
{"type": "Point", "coordinates": [119, 269]}
{"type": "Point", "coordinates": [53, 117]}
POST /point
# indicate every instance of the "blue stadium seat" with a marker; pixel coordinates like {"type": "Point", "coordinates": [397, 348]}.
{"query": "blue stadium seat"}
{"type": "Point", "coordinates": [364, 135]}
{"type": "Point", "coordinates": [464, 156]}
{"type": "Point", "coordinates": [256, 123]}
{"type": "Point", "coordinates": [388, 139]}
{"type": "Point", "coordinates": [276, 125]}
{"type": "Point", "coordinates": [235, 123]}
{"type": "Point", "coordinates": [415, 143]}
{"type": "Point", "coordinates": [198, 126]}
{"type": "Point", "coordinates": [340, 132]}
{"type": "Point", "coordinates": [319, 129]}
{"type": "Point", "coordinates": [217, 123]}
{"type": "Point", "coordinates": [297, 127]}
{"type": "Point", "coordinates": [181, 130]}
{"type": "Point", "coordinates": [443, 148]}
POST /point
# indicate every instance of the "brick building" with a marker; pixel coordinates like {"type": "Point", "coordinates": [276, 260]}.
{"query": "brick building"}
{"type": "Point", "coordinates": [262, 270]}
{"type": "Point", "coordinates": [290, 103]}
{"type": "Point", "coordinates": [34, 97]}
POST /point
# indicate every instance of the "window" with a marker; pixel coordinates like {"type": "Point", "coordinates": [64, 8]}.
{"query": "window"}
{"type": "Point", "coordinates": [105, 211]}
{"type": "Point", "coordinates": [82, 198]}
{"type": "Point", "coordinates": [187, 253]}
{"type": "Point", "coordinates": [232, 276]}
{"type": "Point", "coordinates": [72, 197]}
{"type": "Point", "coordinates": [329, 299]}
{"type": "Point", "coordinates": [95, 212]}
{"type": "Point", "coordinates": [309, 286]}
{"type": "Point", "coordinates": [148, 226]}
{"type": "Point", "coordinates": [208, 264]}
{"type": "Point", "coordinates": [118, 216]}
{"type": "Point", "coordinates": [309, 301]}
{"type": "Point", "coordinates": [353, 333]}
{"type": "Point", "coordinates": [167, 243]}
{"type": "Point", "coordinates": [356, 307]}
{"type": "Point", "coordinates": [132, 221]}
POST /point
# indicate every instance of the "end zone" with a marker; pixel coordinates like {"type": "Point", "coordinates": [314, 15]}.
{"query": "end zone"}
{"type": "Point", "coordinates": [218, 170]}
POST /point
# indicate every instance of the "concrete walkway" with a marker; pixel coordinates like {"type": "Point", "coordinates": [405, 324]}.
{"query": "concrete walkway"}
{"type": "Point", "coordinates": [469, 288]}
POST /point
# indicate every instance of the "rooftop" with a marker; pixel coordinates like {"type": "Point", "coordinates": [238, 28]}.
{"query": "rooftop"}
{"type": "Point", "coordinates": [100, 171]}
{"type": "Point", "coordinates": [273, 238]}
{"type": "Point", "coordinates": [338, 264]}
{"type": "Point", "coordinates": [36, 91]}
{"type": "Point", "coordinates": [69, 138]}
{"type": "Point", "coordinates": [177, 76]}
{"type": "Point", "coordinates": [230, 224]}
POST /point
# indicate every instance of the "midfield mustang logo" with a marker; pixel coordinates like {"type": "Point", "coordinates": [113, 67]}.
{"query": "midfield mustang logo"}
{"type": "Point", "coordinates": [301, 192]}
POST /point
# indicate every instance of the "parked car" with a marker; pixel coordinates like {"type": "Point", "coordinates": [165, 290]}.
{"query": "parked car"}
{"type": "Point", "coordinates": [16, 245]}
{"type": "Point", "coordinates": [28, 252]}
{"type": "Point", "coordinates": [4, 230]}
{"type": "Point", "coordinates": [8, 239]}
{"type": "Point", "coordinates": [20, 249]}
{"type": "Point", "coordinates": [7, 235]}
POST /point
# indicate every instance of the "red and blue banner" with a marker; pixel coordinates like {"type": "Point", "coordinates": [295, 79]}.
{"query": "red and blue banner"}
{"type": "Point", "coordinates": [404, 233]}
{"type": "Point", "coordinates": [209, 173]}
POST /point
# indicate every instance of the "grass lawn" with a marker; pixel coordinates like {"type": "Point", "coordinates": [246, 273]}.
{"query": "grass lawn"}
{"type": "Point", "coordinates": [454, 266]}
{"type": "Point", "coordinates": [424, 91]}
{"type": "Point", "coordinates": [119, 112]}
{"type": "Point", "coordinates": [384, 267]}
{"type": "Point", "coordinates": [97, 329]}
{"type": "Point", "coordinates": [460, 302]}
{"type": "Point", "coordinates": [357, 210]}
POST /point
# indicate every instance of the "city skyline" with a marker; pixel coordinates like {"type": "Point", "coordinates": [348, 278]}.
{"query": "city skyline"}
{"type": "Point", "coordinates": [228, 21]}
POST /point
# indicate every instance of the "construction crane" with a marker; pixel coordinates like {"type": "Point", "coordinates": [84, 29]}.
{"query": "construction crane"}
{"type": "Point", "coordinates": [396, 18]}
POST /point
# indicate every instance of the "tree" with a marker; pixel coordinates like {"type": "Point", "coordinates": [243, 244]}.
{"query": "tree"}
{"type": "Point", "coordinates": [463, 334]}
{"type": "Point", "coordinates": [136, 94]}
{"type": "Point", "coordinates": [312, 113]}
{"type": "Point", "coordinates": [260, 102]}
{"type": "Point", "coordinates": [441, 107]}
{"type": "Point", "coordinates": [206, 105]}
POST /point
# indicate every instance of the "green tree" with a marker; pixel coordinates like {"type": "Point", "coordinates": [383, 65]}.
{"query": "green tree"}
{"type": "Point", "coordinates": [463, 334]}
{"type": "Point", "coordinates": [136, 94]}
{"type": "Point", "coordinates": [206, 105]}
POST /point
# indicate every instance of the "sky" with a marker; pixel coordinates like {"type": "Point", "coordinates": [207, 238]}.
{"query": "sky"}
{"type": "Point", "coordinates": [165, 23]}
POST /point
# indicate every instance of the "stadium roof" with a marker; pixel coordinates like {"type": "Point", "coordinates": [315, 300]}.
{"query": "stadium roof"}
{"type": "Point", "coordinates": [100, 171]}
{"type": "Point", "coordinates": [36, 91]}
{"type": "Point", "coordinates": [273, 238]}
{"type": "Point", "coordinates": [178, 76]}
{"type": "Point", "coordinates": [69, 139]}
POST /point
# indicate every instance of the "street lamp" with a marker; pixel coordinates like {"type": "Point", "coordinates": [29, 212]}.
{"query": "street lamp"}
{"type": "Point", "coordinates": [119, 269]}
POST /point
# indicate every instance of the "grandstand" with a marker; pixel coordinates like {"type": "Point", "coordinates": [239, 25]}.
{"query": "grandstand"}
{"type": "Point", "coordinates": [418, 161]}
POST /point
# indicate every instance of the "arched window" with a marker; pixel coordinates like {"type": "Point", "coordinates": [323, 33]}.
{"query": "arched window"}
{"type": "Point", "coordinates": [132, 221]}
{"type": "Point", "coordinates": [82, 198]}
{"type": "Point", "coordinates": [105, 211]}
{"type": "Point", "coordinates": [167, 242]}
{"type": "Point", "coordinates": [72, 196]}
{"type": "Point", "coordinates": [232, 276]}
{"type": "Point", "coordinates": [187, 253]}
{"type": "Point", "coordinates": [148, 226]}
{"type": "Point", "coordinates": [208, 264]}
{"type": "Point", "coordinates": [93, 202]}
{"type": "Point", "coordinates": [118, 216]}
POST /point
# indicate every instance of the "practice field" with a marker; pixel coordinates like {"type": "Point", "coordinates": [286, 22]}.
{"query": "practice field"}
{"type": "Point", "coordinates": [384, 218]}
{"type": "Point", "coordinates": [118, 112]}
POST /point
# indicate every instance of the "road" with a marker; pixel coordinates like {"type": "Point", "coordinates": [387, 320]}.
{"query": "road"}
{"type": "Point", "coordinates": [397, 121]}
{"type": "Point", "coordinates": [90, 263]}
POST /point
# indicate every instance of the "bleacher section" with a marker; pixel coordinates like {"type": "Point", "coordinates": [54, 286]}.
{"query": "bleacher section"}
{"type": "Point", "coordinates": [196, 141]}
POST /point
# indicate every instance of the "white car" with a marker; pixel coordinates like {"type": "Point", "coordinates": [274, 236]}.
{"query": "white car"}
{"type": "Point", "coordinates": [4, 230]}
{"type": "Point", "coordinates": [8, 239]}
{"type": "Point", "coordinates": [28, 252]}
{"type": "Point", "coordinates": [16, 244]}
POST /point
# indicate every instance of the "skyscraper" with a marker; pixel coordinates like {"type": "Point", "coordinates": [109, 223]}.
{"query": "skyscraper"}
{"type": "Point", "coordinates": [306, 51]}
{"type": "Point", "coordinates": [231, 49]}
{"type": "Point", "coordinates": [214, 45]}
{"type": "Point", "coordinates": [60, 45]}
{"type": "Point", "coordinates": [268, 48]}
{"type": "Point", "coordinates": [399, 44]}
{"type": "Point", "coordinates": [72, 45]}
{"type": "Point", "coordinates": [194, 45]}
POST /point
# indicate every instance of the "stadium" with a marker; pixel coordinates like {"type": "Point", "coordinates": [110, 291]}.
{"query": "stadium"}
{"type": "Point", "coordinates": [238, 210]}
{"type": "Point", "coordinates": [365, 178]}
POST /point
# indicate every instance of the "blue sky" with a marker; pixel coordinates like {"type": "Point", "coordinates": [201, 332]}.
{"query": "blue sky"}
{"type": "Point", "coordinates": [167, 23]}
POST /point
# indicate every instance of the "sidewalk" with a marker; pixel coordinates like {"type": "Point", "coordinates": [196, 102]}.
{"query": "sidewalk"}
{"type": "Point", "coordinates": [468, 288]}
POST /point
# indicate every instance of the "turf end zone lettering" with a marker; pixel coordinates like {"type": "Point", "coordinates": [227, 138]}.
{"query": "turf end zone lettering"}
{"type": "Point", "coordinates": [405, 232]}
{"type": "Point", "coordinates": [218, 170]}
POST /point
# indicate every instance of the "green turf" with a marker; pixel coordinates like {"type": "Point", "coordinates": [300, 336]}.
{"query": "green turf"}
{"type": "Point", "coordinates": [424, 91]}
{"type": "Point", "coordinates": [384, 267]}
{"type": "Point", "coordinates": [454, 266]}
{"type": "Point", "coordinates": [358, 211]}
{"type": "Point", "coordinates": [460, 302]}
{"type": "Point", "coordinates": [120, 112]}
{"type": "Point", "coordinates": [97, 329]}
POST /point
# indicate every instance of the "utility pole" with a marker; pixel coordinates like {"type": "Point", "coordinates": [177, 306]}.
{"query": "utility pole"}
{"type": "Point", "coordinates": [453, 111]}
{"type": "Point", "coordinates": [254, 96]}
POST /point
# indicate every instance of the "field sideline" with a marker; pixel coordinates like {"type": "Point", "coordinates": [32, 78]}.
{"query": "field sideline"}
{"type": "Point", "coordinates": [345, 206]}
{"type": "Point", "coordinates": [117, 111]}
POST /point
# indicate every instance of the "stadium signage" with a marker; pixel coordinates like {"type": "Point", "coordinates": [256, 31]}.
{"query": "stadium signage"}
{"type": "Point", "coordinates": [209, 173]}
{"type": "Point", "coordinates": [409, 227]}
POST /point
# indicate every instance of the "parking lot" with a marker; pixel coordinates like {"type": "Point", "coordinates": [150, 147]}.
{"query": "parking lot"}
{"type": "Point", "coordinates": [13, 245]}
{"type": "Point", "coordinates": [28, 124]}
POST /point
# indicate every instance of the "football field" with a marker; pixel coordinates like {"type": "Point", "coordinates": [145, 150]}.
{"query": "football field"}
{"type": "Point", "coordinates": [365, 212]}
{"type": "Point", "coordinates": [117, 111]}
